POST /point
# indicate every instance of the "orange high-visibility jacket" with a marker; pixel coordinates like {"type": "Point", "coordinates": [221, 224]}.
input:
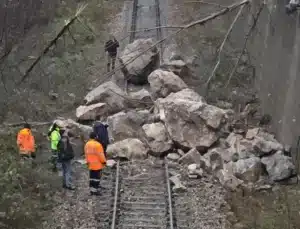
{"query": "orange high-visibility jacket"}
{"type": "Point", "coordinates": [25, 141]}
{"type": "Point", "coordinates": [94, 155]}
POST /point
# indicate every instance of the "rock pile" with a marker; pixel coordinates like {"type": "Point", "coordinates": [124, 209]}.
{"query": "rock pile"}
{"type": "Point", "coordinates": [181, 125]}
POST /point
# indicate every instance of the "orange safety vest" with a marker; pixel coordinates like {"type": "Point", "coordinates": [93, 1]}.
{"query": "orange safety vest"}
{"type": "Point", "coordinates": [25, 141]}
{"type": "Point", "coordinates": [94, 155]}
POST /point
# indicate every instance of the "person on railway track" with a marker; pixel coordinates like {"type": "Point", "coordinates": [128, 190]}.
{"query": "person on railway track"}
{"type": "Point", "coordinates": [26, 142]}
{"type": "Point", "coordinates": [111, 48]}
{"type": "Point", "coordinates": [65, 156]}
{"type": "Point", "coordinates": [96, 161]}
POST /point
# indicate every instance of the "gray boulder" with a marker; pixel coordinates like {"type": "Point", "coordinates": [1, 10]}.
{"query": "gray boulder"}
{"type": "Point", "coordinates": [248, 169]}
{"type": "Point", "coordinates": [108, 93]}
{"type": "Point", "coordinates": [131, 148]}
{"type": "Point", "coordinates": [139, 59]}
{"type": "Point", "coordinates": [228, 180]}
{"type": "Point", "coordinates": [190, 122]}
{"type": "Point", "coordinates": [225, 154]}
{"type": "Point", "coordinates": [128, 125]}
{"type": "Point", "coordinates": [191, 157]}
{"type": "Point", "coordinates": [279, 166]}
{"type": "Point", "coordinates": [91, 112]}
{"type": "Point", "coordinates": [157, 138]}
{"type": "Point", "coordinates": [140, 99]}
{"type": "Point", "coordinates": [162, 83]}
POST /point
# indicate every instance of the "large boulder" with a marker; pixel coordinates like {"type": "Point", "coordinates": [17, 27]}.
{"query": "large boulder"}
{"type": "Point", "coordinates": [191, 157]}
{"type": "Point", "coordinates": [131, 148]}
{"type": "Point", "coordinates": [279, 166]}
{"type": "Point", "coordinates": [248, 169]}
{"type": "Point", "coordinates": [139, 59]}
{"type": "Point", "coordinates": [157, 138]}
{"type": "Point", "coordinates": [108, 93]}
{"type": "Point", "coordinates": [91, 112]}
{"type": "Point", "coordinates": [190, 121]}
{"type": "Point", "coordinates": [162, 83]}
{"type": "Point", "coordinates": [140, 99]}
{"type": "Point", "coordinates": [224, 153]}
{"type": "Point", "coordinates": [129, 124]}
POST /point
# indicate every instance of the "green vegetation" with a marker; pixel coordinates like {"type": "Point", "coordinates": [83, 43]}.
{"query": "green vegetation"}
{"type": "Point", "coordinates": [25, 191]}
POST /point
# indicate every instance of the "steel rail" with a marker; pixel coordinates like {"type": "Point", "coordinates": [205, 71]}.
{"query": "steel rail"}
{"type": "Point", "coordinates": [114, 218]}
{"type": "Point", "coordinates": [169, 194]}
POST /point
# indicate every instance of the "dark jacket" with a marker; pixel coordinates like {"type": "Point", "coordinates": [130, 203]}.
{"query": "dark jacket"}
{"type": "Point", "coordinates": [65, 150]}
{"type": "Point", "coordinates": [111, 47]}
{"type": "Point", "coordinates": [101, 132]}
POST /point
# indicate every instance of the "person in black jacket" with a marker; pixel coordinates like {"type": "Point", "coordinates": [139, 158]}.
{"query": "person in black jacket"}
{"type": "Point", "coordinates": [65, 156]}
{"type": "Point", "coordinates": [111, 48]}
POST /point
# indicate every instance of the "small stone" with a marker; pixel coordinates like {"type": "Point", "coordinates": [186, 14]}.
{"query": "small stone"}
{"type": "Point", "coordinates": [111, 163]}
{"type": "Point", "coordinates": [173, 156]}
{"type": "Point", "coordinates": [180, 152]}
{"type": "Point", "coordinates": [178, 186]}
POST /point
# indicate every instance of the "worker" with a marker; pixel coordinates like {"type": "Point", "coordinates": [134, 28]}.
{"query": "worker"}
{"type": "Point", "coordinates": [100, 129]}
{"type": "Point", "coordinates": [26, 142]}
{"type": "Point", "coordinates": [96, 161]}
{"type": "Point", "coordinates": [54, 137]}
{"type": "Point", "coordinates": [292, 6]}
{"type": "Point", "coordinates": [65, 156]}
{"type": "Point", "coordinates": [111, 48]}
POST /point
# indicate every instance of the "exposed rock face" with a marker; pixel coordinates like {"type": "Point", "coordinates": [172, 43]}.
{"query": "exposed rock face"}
{"type": "Point", "coordinates": [190, 122]}
{"type": "Point", "coordinates": [157, 138]}
{"type": "Point", "coordinates": [108, 93]}
{"type": "Point", "coordinates": [128, 125]}
{"type": "Point", "coordinates": [131, 148]}
{"type": "Point", "coordinates": [141, 98]}
{"type": "Point", "coordinates": [162, 83]}
{"type": "Point", "coordinates": [279, 166]}
{"type": "Point", "coordinates": [144, 62]}
{"type": "Point", "coordinates": [91, 112]}
{"type": "Point", "coordinates": [191, 157]}
{"type": "Point", "coordinates": [248, 169]}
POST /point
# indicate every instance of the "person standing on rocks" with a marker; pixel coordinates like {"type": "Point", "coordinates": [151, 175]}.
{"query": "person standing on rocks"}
{"type": "Point", "coordinates": [111, 48]}
{"type": "Point", "coordinates": [65, 156]}
{"type": "Point", "coordinates": [26, 142]}
{"type": "Point", "coordinates": [96, 161]}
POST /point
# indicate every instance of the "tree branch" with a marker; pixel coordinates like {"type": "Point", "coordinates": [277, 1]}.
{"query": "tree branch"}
{"type": "Point", "coordinates": [223, 44]}
{"type": "Point", "coordinates": [53, 42]}
{"type": "Point", "coordinates": [206, 3]}
{"type": "Point", "coordinates": [245, 44]}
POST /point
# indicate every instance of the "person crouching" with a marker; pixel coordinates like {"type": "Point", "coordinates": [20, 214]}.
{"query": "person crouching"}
{"type": "Point", "coordinates": [96, 161]}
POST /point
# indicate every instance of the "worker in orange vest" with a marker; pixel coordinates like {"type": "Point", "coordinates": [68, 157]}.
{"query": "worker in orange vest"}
{"type": "Point", "coordinates": [26, 142]}
{"type": "Point", "coordinates": [96, 161]}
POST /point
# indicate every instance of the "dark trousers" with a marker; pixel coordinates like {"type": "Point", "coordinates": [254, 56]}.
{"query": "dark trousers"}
{"type": "Point", "coordinates": [111, 60]}
{"type": "Point", "coordinates": [95, 176]}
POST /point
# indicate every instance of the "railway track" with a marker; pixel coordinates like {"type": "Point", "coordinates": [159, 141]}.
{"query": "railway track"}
{"type": "Point", "coordinates": [136, 196]}
{"type": "Point", "coordinates": [153, 11]}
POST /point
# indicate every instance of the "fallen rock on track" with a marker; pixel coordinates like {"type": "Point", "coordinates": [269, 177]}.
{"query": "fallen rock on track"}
{"type": "Point", "coordinates": [162, 83]}
{"type": "Point", "coordinates": [137, 71]}
{"type": "Point", "coordinates": [108, 93]}
{"type": "Point", "coordinates": [131, 148]}
{"type": "Point", "coordinates": [279, 166]}
{"type": "Point", "coordinates": [157, 138]}
{"type": "Point", "coordinates": [128, 125]}
{"type": "Point", "coordinates": [91, 112]}
{"type": "Point", "coordinates": [190, 121]}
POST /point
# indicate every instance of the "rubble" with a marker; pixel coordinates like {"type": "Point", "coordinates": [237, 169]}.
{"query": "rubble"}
{"type": "Point", "coordinates": [157, 138]}
{"type": "Point", "coordinates": [137, 71]}
{"type": "Point", "coordinates": [162, 83]}
{"type": "Point", "coordinates": [178, 186]}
